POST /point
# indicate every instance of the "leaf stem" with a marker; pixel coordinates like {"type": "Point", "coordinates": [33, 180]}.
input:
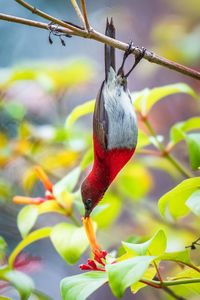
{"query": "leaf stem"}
{"type": "Point", "coordinates": [158, 284]}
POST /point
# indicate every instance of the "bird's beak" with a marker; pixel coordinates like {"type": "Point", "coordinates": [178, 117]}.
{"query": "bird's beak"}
{"type": "Point", "coordinates": [88, 212]}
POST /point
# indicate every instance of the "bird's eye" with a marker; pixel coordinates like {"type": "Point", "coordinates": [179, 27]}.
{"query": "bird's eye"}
{"type": "Point", "coordinates": [88, 204]}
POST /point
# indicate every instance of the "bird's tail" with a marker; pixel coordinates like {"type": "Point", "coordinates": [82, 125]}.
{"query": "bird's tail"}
{"type": "Point", "coordinates": [109, 51]}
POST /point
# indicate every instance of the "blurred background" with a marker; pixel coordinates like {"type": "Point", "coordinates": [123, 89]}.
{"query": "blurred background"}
{"type": "Point", "coordinates": [41, 83]}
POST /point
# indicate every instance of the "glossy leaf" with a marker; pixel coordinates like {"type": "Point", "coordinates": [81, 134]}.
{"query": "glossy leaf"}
{"type": "Point", "coordinates": [21, 282]}
{"type": "Point", "coordinates": [179, 130]}
{"type": "Point", "coordinates": [189, 274]}
{"type": "Point", "coordinates": [51, 206]}
{"type": "Point", "coordinates": [62, 190]}
{"type": "Point", "coordinates": [70, 241]}
{"type": "Point", "coordinates": [178, 256]}
{"type": "Point", "coordinates": [155, 246]}
{"type": "Point", "coordinates": [173, 203]}
{"type": "Point", "coordinates": [80, 111]}
{"type": "Point", "coordinates": [29, 239]}
{"type": "Point", "coordinates": [123, 274]}
{"type": "Point", "coordinates": [146, 99]}
{"type": "Point", "coordinates": [193, 141]}
{"type": "Point", "coordinates": [193, 202]}
{"type": "Point", "coordinates": [149, 274]}
{"type": "Point", "coordinates": [79, 287]}
{"type": "Point", "coordinates": [26, 219]}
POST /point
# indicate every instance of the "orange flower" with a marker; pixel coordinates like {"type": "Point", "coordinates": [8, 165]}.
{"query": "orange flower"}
{"type": "Point", "coordinates": [38, 200]}
{"type": "Point", "coordinates": [99, 255]}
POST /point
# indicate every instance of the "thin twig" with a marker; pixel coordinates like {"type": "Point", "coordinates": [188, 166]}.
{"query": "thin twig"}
{"type": "Point", "coordinates": [46, 16]}
{"type": "Point", "coordinates": [84, 11]}
{"type": "Point", "coordinates": [92, 34]}
{"type": "Point", "coordinates": [78, 12]}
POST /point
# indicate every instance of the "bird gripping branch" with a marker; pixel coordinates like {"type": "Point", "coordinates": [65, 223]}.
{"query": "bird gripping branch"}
{"type": "Point", "coordinates": [115, 129]}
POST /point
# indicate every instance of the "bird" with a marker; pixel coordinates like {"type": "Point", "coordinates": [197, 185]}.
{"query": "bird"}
{"type": "Point", "coordinates": [115, 128]}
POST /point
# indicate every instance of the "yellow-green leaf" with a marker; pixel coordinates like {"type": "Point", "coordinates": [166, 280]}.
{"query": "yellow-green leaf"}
{"type": "Point", "coordinates": [178, 131]}
{"type": "Point", "coordinates": [147, 98]}
{"type": "Point", "coordinates": [149, 274]}
{"type": "Point", "coordinates": [173, 203]}
{"type": "Point", "coordinates": [193, 142]}
{"type": "Point", "coordinates": [155, 246]}
{"type": "Point", "coordinates": [193, 202]}
{"type": "Point", "coordinates": [70, 241]}
{"type": "Point", "coordinates": [80, 286]}
{"type": "Point", "coordinates": [123, 274]}
{"type": "Point", "coordinates": [29, 239]}
{"type": "Point", "coordinates": [27, 218]}
{"type": "Point", "coordinates": [80, 111]}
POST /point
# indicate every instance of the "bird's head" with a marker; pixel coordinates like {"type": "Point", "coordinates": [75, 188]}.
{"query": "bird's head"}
{"type": "Point", "coordinates": [91, 195]}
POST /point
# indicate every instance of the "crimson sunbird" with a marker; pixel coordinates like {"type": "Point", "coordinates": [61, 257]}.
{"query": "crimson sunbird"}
{"type": "Point", "coordinates": [115, 127]}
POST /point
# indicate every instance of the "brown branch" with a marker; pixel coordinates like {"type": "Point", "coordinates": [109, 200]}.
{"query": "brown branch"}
{"type": "Point", "coordinates": [78, 12]}
{"type": "Point", "coordinates": [52, 19]}
{"type": "Point", "coordinates": [92, 34]}
{"type": "Point", "coordinates": [84, 11]}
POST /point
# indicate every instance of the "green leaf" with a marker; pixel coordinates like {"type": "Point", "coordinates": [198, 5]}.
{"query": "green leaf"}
{"type": "Point", "coordinates": [173, 203]}
{"type": "Point", "coordinates": [28, 215]}
{"type": "Point", "coordinates": [146, 99]}
{"type": "Point", "coordinates": [26, 219]}
{"type": "Point", "coordinates": [123, 274]}
{"type": "Point", "coordinates": [193, 202]}
{"type": "Point", "coordinates": [62, 190]}
{"type": "Point", "coordinates": [50, 207]}
{"type": "Point", "coordinates": [21, 282]}
{"type": "Point", "coordinates": [178, 131]}
{"type": "Point", "coordinates": [4, 298]}
{"type": "Point", "coordinates": [149, 274]}
{"type": "Point", "coordinates": [79, 287]}
{"type": "Point", "coordinates": [178, 256]}
{"type": "Point", "coordinates": [189, 274]}
{"type": "Point", "coordinates": [155, 246]}
{"type": "Point", "coordinates": [70, 241]}
{"type": "Point", "coordinates": [29, 239]}
{"type": "Point", "coordinates": [80, 111]}
{"type": "Point", "coordinates": [193, 141]}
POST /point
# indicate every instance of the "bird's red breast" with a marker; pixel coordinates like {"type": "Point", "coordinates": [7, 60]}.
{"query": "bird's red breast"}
{"type": "Point", "coordinates": [107, 164]}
